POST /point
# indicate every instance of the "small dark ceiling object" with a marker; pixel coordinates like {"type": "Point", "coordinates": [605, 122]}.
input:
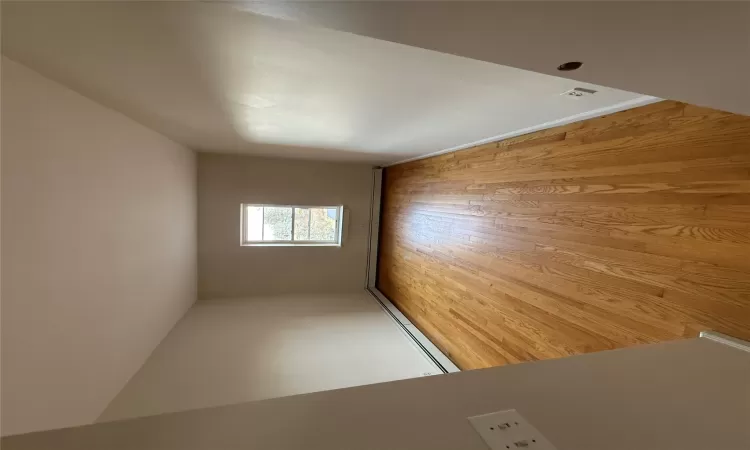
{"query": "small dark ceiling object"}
{"type": "Point", "coordinates": [568, 66]}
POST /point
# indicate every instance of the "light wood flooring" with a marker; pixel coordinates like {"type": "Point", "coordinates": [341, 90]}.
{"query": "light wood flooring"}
{"type": "Point", "coordinates": [621, 230]}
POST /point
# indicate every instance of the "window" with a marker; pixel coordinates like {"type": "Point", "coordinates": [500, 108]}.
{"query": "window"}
{"type": "Point", "coordinates": [291, 225]}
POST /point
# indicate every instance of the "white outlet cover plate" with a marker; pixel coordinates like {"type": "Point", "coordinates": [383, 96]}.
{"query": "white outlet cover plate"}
{"type": "Point", "coordinates": [504, 430]}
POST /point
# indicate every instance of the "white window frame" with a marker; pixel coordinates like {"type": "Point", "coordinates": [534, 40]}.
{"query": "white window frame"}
{"type": "Point", "coordinates": [291, 243]}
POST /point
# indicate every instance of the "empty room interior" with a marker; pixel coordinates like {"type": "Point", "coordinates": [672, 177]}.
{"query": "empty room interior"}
{"type": "Point", "coordinates": [311, 224]}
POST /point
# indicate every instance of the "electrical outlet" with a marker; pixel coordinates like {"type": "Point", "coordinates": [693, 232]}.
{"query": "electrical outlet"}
{"type": "Point", "coordinates": [579, 92]}
{"type": "Point", "coordinates": [504, 430]}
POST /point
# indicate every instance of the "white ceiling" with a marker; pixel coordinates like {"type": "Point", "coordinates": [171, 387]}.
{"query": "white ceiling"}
{"type": "Point", "coordinates": [220, 79]}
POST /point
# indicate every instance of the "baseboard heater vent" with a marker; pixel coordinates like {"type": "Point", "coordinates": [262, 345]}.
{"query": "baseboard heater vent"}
{"type": "Point", "coordinates": [438, 359]}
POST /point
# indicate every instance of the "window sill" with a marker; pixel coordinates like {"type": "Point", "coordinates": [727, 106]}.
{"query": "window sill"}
{"type": "Point", "coordinates": [274, 244]}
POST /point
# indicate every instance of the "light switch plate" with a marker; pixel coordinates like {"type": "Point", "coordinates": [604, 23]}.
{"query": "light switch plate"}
{"type": "Point", "coordinates": [504, 430]}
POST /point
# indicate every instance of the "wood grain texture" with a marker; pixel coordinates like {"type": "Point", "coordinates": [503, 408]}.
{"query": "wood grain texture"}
{"type": "Point", "coordinates": [626, 229]}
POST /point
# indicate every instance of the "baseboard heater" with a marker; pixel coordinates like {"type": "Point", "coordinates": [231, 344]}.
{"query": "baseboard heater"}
{"type": "Point", "coordinates": [431, 352]}
{"type": "Point", "coordinates": [727, 340]}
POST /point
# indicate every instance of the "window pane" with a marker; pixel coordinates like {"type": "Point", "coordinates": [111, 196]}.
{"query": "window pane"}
{"type": "Point", "coordinates": [277, 224]}
{"type": "Point", "coordinates": [301, 224]}
{"type": "Point", "coordinates": [323, 224]}
{"type": "Point", "coordinates": [254, 223]}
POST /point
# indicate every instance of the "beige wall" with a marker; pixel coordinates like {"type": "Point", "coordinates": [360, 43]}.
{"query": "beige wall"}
{"type": "Point", "coordinates": [685, 395]}
{"type": "Point", "coordinates": [228, 270]}
{"type": "Point", "coordinates": [98, 250]}
{"type": "Point", "coordinates": [231, 351]}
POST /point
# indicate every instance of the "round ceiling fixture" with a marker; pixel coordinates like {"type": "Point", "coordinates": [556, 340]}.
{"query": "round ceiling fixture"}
{"type": "Point", "coordinates": [568, 66]}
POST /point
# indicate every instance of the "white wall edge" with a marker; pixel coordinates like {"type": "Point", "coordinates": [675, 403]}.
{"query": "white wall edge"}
{"type": "Point", "coordinates": [727, 340]}
{"type": "Point", "coordinates": [441, 362]}
{"type": "Point", "coordinates": [617, 107]}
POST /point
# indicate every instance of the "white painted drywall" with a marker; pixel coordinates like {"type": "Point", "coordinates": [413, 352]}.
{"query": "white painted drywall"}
{"type": "Point", "coordinates": [98, 250]}
{"type": "Point", "coordinates": [231, 351]}
{"type": "Point", "coordinates": [692, 51]}
{"type": "Point", "coordinates": [220, 79]}
{"type": "Point", "coordinates": [228, 270]}
{"type": "Point", "coordinates": [688, 395]}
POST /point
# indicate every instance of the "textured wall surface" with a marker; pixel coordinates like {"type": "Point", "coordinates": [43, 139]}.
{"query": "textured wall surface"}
{"type": "Point", "coordinates": [98, 250]}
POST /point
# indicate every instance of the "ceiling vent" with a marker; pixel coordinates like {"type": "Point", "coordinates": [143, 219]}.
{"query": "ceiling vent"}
{"type": "Point", "coordinates": [579, 92]}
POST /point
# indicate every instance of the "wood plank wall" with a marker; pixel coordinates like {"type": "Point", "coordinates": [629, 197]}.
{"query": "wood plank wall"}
{"type": "Point", "coordinates": [621, 230]}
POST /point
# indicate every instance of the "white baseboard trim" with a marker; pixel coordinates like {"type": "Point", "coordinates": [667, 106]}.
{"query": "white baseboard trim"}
{"type": "Point", "coordinates": [617, 107]}
{"type": "Point", "coordinates": [727, 340]}
{"type": "Point", "coordinates": [430, 351]}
